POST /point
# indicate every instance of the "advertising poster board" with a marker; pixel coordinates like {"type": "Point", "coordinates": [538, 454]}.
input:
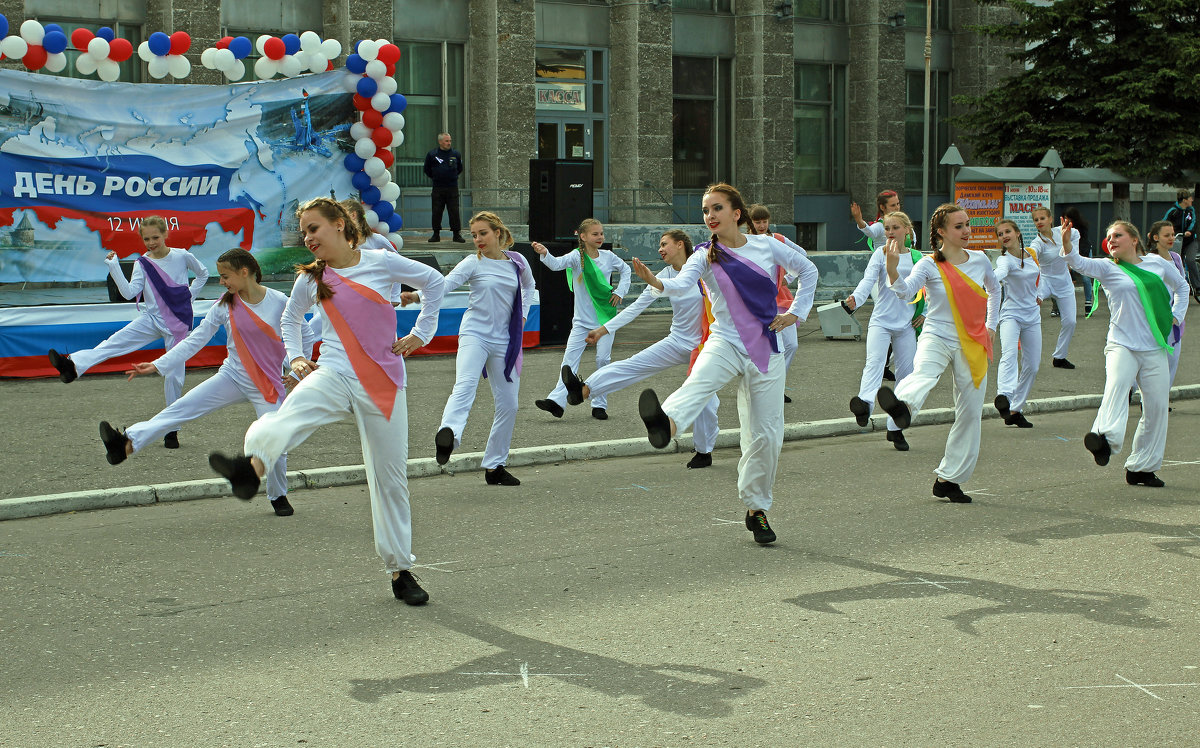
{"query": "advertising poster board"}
{"type": "Point", "coordinates": [982, 201]}
{"type": "Point", "coordinates": [1019, 203]}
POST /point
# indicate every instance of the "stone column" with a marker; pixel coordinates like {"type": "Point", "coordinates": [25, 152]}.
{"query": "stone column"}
{"type": "Point", "coordinates": [501, 129]}
{"type": "Point", "coordinates": [335, 24]}
{"type": "Point", "coordinates": [763, 126]}
{"type": "Point", "coordinates": [876, 101]}
{"type": "Point", "coordinates": [365, 19]}
{"type": "Point", "coordinates": [981, 62]}
{"type": "Point", "coordinates": [639, 143]}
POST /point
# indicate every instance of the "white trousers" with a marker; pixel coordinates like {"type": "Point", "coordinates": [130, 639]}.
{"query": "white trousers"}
{"type": "Point", "coordinates": [572, 356]}
{"type": "Point", "coordinates": [789, 342]}
{"type": "Point", "coordinates": [212, 394]}
{"type": "Point", "coordinates": [1122, 367]}
{"type": "Point", "coordinates": [760, 411]}
{"type": "Point", "coordinates": [473, 355]}
{"type": "Point", "coordinates": [668, 352]}
{"type": "Point", "coordinates": [1060, 288]}
{"type": "Point", "coordinates": [1173, 361]}
{"type": "Point", "coordinates": [141, 331]}
{"type": "Point", "coordinates": [325, 396]}
{"type": "Point", "coordinates": [1012, 380]}
{"type": "Point", "coordinates": [903, 343]}
{"type": "Point", "coordinates": [962, 444]}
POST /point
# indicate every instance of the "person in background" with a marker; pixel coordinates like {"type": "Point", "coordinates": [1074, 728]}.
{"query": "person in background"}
{"type": "Point", "coordinates": [443, 165]}
{"type": "Point", "coordinates": [1085, 250]}
{"type": "Point", "coordinates": [1183, 217]}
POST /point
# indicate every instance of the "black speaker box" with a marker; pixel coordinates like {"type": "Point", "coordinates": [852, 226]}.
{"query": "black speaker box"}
{"type": "Point", "coordinates": [557, 301]}
{"type": "Point", "coordinates": [114, 295]}
{"type": "Point", "coordinates": [560, 196]}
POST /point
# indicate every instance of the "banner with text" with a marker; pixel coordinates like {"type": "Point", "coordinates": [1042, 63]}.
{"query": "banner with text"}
{"type": "Point", "coordinates": [982, 201]}
{"type": "Point", "coordinates": [83, 162]}
{"type": "Point", "coordinates": [1019, 203]}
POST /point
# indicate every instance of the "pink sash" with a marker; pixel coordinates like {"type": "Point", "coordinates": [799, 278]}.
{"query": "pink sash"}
{"type": "Point", "coordinates": [366, 325]}
{"type": "Point", "coordinates": [259, 347]}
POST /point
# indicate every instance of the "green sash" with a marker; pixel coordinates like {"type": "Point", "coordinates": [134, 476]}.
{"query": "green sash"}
{"type": "Point", "coordinates": [597, 287]}
{"type": "Point", "coordinates": [1156, 301]}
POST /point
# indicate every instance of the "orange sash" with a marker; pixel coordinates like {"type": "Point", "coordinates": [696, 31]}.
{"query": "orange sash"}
{"type": "Point", "coordinates": [968, 304]}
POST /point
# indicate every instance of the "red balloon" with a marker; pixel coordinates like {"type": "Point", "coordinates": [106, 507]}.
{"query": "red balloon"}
{"type": "Point", "coordinates": [373, 119]}
{"type": "Point", "coordinates": [389, 54]}
{"type": "Point", "coordinates": [180, 41]}
{"type": "Point", "coordinates": [382, 137]}
{"type": "Point", "coordinates": [275, 48]}
{"type": "Point", "coordinates": [329, 66]}
{"type": "Point", "coordinates": [80, 39]}
{"type": "Point", "coordinates": [390, 70]}
{"type": "Point", "coordinates": [361, 104]}
{"type": "Point", "coordinates": [223, 42]}
{"type": "Point", "coordinates": [119, 50]}
{"type": "Point", "coordinates": [384, 155]}
{"type": "Point", "coordinates": [35, 58]}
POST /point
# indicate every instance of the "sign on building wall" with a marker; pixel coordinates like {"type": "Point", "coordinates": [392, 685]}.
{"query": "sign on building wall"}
{"type": "Point", "coordinates": [82, 162]}
{"type": "Point", "coordinates": [1019, 202]}
{"type": "Point", "coordinates": [561, 96]}
{"type": "Point", "coordinates": [982, 201]}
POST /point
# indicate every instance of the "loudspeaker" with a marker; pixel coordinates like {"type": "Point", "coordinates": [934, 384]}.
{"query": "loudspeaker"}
{"type": "Point", "coordinates": [560, 196]}
{"type": "Point", "coordinates": [557, 301]}
{"type": "Point", "coordinates": [114, 295]}
{"type": "Point", "coordinates": [838, 323]}
{"type": "Point", "coordinates": [429, 260]}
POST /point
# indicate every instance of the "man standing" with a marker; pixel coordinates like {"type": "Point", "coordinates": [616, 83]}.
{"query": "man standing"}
{"type": "Point", "coordinates": [1183, 216]}
{"type": "Point", "coordinates": [443, 165]}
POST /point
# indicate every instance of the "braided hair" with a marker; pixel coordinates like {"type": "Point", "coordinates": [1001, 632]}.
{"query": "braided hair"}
{"type": "Point", "coordinates": [938, 221]}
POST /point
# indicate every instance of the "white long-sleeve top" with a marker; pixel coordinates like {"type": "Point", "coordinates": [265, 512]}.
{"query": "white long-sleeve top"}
{"type": "Point", "coordinates": [607, 262]}
{"type": "Point", "coordinates": [378, 270]}
{"type": "Point", "coordinates": [377, 241]}
{"type": "Point", "coordinates": [1021, 289]}
{"type": "Point", "coordinates": [175, 266]}
{"type": "Point", "coordinates": [1049, 252]}
{"type": "Point", "coordinates": [939, 317]}
{"type": "Point", "coordinates": [686, 309]}
{"type": "Point", "coordinates": [890, 312]}
{"type": "Point", "coordinates": [765, 252]}
{"type": "Point", "coordinates": [269, 310]}
{"type": "Point", "coordinates": [1127, 323]}
{"type": "Point", "coordinates": [490, 301]}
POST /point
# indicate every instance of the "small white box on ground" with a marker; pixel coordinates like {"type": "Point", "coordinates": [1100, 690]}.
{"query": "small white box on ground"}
{"type": "Point", "coordinates": [837, 323]}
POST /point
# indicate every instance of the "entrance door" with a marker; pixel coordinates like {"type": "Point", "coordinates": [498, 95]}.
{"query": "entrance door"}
{"type": "Point", "coordinates": [564, 139]}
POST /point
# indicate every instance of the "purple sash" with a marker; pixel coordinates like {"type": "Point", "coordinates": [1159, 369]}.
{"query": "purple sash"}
{"type": "Point", "coordinates": [513, 355]}
{"type": "Point", "coordinates": [174, 301]}
{"type": "Point", "coordinates": [749, 293]}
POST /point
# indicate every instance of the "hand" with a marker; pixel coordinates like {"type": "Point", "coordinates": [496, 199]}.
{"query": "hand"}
{"type": "Point", "coordinates": [856, 214]}
{"type": "Point", "coordinates": [140, 370]}
{"type": "Point", "coordinates": [407, 344]}
{"type": "Point", "coordinates": [615, 300]}
{"type": "Point", "coordinates": [991, 336]}
{"type": "Point", "coordinates": [302, 367]}
{"type": "Point", "coordinates": [539, 248]}
{"type": "Point", "coordinates": [891, 257]}
{"type": "Point", "coordinates": [110, 256]}
{"type": "Point", "coordinates": [596, 334]}
{"type": "Point", "coordinates": [409, 297]}
{"type": "Point", "coordinates": [289, 383]}
{"type": "Point", "coordinates": [783, 321]}
{"type": "Point", "coordinates": [851, 303]}
{"type": "Point", "coordinates": [1065, 235]}
{"type": "Point", "coordinates": [918, 322]}
{"type": "Point", "coordinates": [645, 274]}
{"type": "Point", "coordinates": [1039, 301]}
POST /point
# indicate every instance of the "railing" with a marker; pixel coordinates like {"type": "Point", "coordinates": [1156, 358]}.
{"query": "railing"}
{"type": "Point", "coordinates": [624, 205]}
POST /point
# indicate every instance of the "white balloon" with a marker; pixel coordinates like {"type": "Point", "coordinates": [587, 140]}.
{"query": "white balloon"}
{"type": "Point", "coordinates": [14, 47]}
{"type": "Point", "coordinates": [397, 139]}
{"type": "Point", "coordinates": [390, 193]}
{"type": "Point", "coordinates": [370, 217]}
{"type": "Point", "coordinates": [265, 67]}
{"type": "Point", "coordinates": [331, 48]}
{"type": "Point", "coordinates": [368, 50]}
{"type": "Point", "coordinates": [223, 59]}
{"type": "Point", "coordinates": [317, 63]}
{"type": "Point", "coordinates": [374, 166]}
{"type": "Point", "coordinates": [365, 148]}
{"type": "Point", "coordinates": [260, 42]}
{"type": "Point", "coordinates": [387, 85]}
{"type": "Point", "coordinates": [178, 66]}
{"type": "Point", "coordinates": [108, 70]}
{"type": "Point", "coordinates": [310, 41]}
{"type": "Point", "coordinates": [56, 63]}
{"type": "Point", "coordinates": [157, 67]}
{"type": "Point", "coordinates": [206, 58]}
{"type": "Point", "coordinates": [380, 102]}
{"type": "Point", "coordinates": [381, 42]}
{"type": "Point", "coordinates": [236, 71]}
{"type": "Point", "coordinates": [393, 120]}
{"type": "Point", "coordinates": [359, 131]}
{"type": "Point", "coordinates": [98, 48]}
{"type": "Point", "coordinates": [376, 69]}
{"type": "Point", "coordinates": [350, 81]}
{"type": "Point", "coordinates": [397, 240]}
{"type": "Point", "coordinates": [32, 32]}
{"type": "Point", "coordinates": [144, 52]}
{"type": "Point", "coordinates": [382, 179]}
{"type": "Point", "coordinates": [85, 64]}
{"type": "Point", "coordinates": [289, 66]}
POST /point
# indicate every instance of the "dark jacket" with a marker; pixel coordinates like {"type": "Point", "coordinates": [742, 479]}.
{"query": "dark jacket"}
{"type": "Point", "coordinates": [443, 167]}
{"type": "Point", "coordinates": [1184, 219]}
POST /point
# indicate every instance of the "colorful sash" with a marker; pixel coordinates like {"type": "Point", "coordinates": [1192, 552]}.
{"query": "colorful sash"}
{"type": "Point", "coordinates": [783, 299]}
{"type": "Point", "coordinates": [706, 320]}
{"type": "Point", "coordinates": [513, 354]}
{"type": "Point", "coordinates": [259, 347]}
{"type": "Point", "coordinates": [1156, 301]}
{"type": "Point", "coordinates": [749, 293]}
{"type": "Point", "coordinates": [174, 301]}
{"type": "Point", "coordinates": [968, 303]}
{"type": "Point", "coordinates": [366, 324]}
{"type": "Point", "coordinates": [599, 290]}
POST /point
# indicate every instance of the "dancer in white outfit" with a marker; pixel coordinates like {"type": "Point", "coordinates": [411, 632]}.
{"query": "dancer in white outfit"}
{"type": "Point", "coordinates": [1018, 272]}
{"type": "Point", "coordinates": [1056, 280]}
{"type": "Point", "coordinates": [1161, 237]}
{"type": "Point", "coordinates": [361, 375]}
{"type": "Point", "coordinates": [589, 274]}
{"type": "Point", "coordinates": [960, 322]}
{"type": "Point", "coordinates": [251, 372]}
{"type": "Point", "coordinates": [688, 325]}
{"type": "Point", "coordinates": [1146, 296]}
{"type": "Point", "coordinates": [894, 323]}
{"type": "Point", "coordinates": [740, 274]}
{"type": "Point", "coordinates": [789, 342]}
{"type": "Point", "coordinates": [161, 277]}
{"type": "Point", "coordinates": [886, 202]}
{"type": "Point", "coordinates": [489, 341]}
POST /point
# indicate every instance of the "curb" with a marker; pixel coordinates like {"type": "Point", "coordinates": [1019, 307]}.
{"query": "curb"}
{"type": "Point", "coordinates": [426, 467]}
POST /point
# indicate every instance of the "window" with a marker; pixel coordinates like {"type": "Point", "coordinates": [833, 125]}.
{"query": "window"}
{"type": "Point", "coordinates": [131, 69]}
{"type": "Point", "coordinates": [430, 75]}
{"type": "Point", "coordinates": [570, 84]}
{"type": "Point", "coordinates": [914, 129]}
{"type": "Point", "coordinates": [700, 125]}
{"type": "Point", "coordinates": [914, 14]}
{"type": "Point", "coordinates": [820, 127]}
{"type": "Point", "coordinates": [820, 10]}
{"type": "Point", "coordinates": [714, 6]}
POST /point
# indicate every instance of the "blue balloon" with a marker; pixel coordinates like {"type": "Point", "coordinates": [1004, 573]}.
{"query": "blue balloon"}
{"type": "Point", "coordinates": [353, 163]}
{"type": "Point", "coordinates": [384, 210]}
{"type": "Point", "coordinates": [3, 26]}
{"type": "Point", "coordinates": [241, 46]}
{"type": "Point", "coordinates": [356, 64]}
{"type": "Point", "coordinates": [159, 43]}
{"type": "Point", "coordinates": [394, 222]}
{"type": "Point", "coordinates": [54, 42]}
{"type": "Point", "coordinates": [369, 194]}
{"type": "Point", "coordinates": [360, 180]}
{"type": "Point", "coordinates": [398, 103]}
{"type": "Point", "coordinates": [367, 87]}
{"type": "Point", "coordinates": [52, 27]}
{"type": "Point", "coordinates": [291, 44]}
{"type": "Point", "coordinates": [107, 35]}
